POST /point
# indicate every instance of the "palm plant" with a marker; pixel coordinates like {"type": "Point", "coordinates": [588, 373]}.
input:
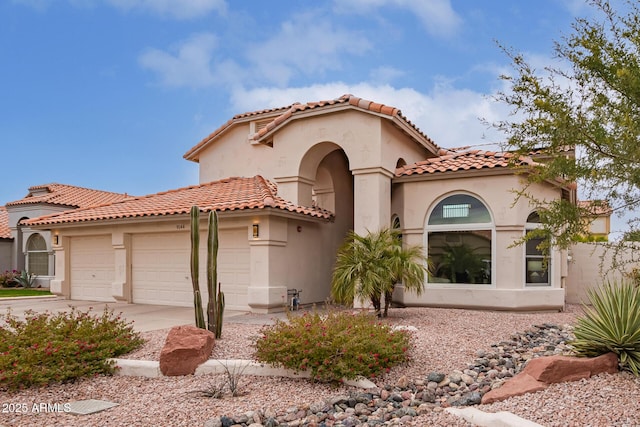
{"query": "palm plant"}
{"type": "Point", "coordinates": [612, 324]}
{"type": "Point", "coordinates": [461, 263]}
{"type": "Point", "coordinates": [368, 267]}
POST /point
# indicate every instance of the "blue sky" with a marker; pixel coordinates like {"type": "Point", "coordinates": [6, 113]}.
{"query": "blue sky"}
{"type": "Point", "coordinates": [109, 94]}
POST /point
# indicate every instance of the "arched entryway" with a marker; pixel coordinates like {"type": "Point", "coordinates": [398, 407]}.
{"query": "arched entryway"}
{"type": "Point", "coordinates": [325, 169]}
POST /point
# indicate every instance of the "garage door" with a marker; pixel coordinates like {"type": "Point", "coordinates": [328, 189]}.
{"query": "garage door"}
{"type": "Point", "coordinates": [161, 269]}
{"type": "Point", "coordinates": [92, 266]}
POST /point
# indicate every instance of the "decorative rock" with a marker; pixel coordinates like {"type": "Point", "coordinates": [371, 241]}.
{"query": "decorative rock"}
{"type": "Point", "coordinates": [435, 377]}
{"type": "Point", "coordinates": [556, 369]}
{"type": "Point", "coordinates": [185, 348]}
{"type": "Point", "coordinates": [541, 372]}
{"type": "Point", "coordinates": [392, 405]}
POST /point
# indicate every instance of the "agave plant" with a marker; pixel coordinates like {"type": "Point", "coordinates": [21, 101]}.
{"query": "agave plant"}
{"type": "Point", "coordinates": [611, 324]}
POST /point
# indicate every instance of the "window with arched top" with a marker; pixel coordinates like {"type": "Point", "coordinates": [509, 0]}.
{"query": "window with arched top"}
{"type": "Point", "coordinates": [536, 262]}
{"type": "Point", "coordinates": [396, 226]}
{"type": "Point", "coordinates": [459, 241]}
{"type": "Point", "coordinates": [37, 255]}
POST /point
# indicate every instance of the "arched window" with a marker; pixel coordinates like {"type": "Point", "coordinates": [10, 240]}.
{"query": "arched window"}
{"type": "Point", "coordinates": [537, 264]}
{"type": "Point", "coordinates": [396, 226]}
{"type": "Point", "coordinates": [459, 237]}
{"type": "Point", "coordinates": [37, 255]}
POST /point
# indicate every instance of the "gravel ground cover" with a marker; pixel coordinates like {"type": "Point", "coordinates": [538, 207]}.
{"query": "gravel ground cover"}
{"type": "Point", "coordinates": [446, 340]}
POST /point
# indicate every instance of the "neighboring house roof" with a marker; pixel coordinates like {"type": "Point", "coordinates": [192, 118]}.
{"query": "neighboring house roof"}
{"type": "Point", "coordinates": [230, 194]}
{"type": "Point", "coordinates": [283, 115]}
{"type": "Point", "coordinates": [5, 231]}
{"type": "Point", "coordinates": [596, 207]}
{"type": "Point", "coordinates": [451, 161]}
{"type": "Point", "coordinates": [67, 195]}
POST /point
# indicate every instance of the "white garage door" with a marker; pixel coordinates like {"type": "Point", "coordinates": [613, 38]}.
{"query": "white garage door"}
{"type": "Point", "coordinates": [92, 266]}
{"type": "Point", "coordinates": [161, 268]}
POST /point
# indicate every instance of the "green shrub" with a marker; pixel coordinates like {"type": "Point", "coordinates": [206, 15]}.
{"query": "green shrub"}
{"type": "Point", "coordinates": [612, 324]}
{"type": "Point", "coordinates": [333, 347]}
{"type": "Point", "coordinates": [48, 348]}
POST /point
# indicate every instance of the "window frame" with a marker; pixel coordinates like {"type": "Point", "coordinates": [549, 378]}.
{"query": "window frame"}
{"type": "Point", "coordinates": [42, 253]}
{"type": "Point", "coordinates": [457, 227]}
{"type": "Point", "coordinates": [533, 225]}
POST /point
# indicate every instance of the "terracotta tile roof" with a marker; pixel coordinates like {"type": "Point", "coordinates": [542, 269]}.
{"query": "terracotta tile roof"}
{"type": "Point", "coordinates": [451, 161]}
{"type": "Point", "coordinates": [67, 195]}
{"type": "Point", "coordinates": [230, 194]}
{"type": "Point", "coordinates": [5, 232]}
{"type": "Point", "coordinates": [596, 207]}
{"type": "Point", "coordinates": [282, 115]}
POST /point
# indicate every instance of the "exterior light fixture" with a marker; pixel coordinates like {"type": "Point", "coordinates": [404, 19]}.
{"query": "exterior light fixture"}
{"type": "Point", "coordinates": [55, 239]}
{"type": "Point", "coordinates": [256, 231]}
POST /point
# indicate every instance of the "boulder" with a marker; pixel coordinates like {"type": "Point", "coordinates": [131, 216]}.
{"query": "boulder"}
{"type": "Point", "coordinates": [542, 371]}
{"type": "Point", "coordinates": [185, 348]}
{"type": "Point", "coordinates": [557, 369]}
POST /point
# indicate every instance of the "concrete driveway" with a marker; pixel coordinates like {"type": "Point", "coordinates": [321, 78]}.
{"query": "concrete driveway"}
{"type": "Point", "coordinates": [145, 317]}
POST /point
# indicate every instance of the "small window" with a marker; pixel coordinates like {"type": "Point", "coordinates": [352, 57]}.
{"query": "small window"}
{"type": "Point", "coordinates": [37, 255]}
{"type": "Point", "coordinates": [460, 209]}
{"type": "Point", "coordinates": [536, 263]}
{"type": "Point", "coordinates": [456, 211]}
{"type": "Point", "coordinates": [396, 226]}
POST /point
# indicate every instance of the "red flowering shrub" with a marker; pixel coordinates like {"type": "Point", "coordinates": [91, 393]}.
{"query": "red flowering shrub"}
{"type": "Point", "coordinates": [8, 279]}
{"type": "Point", "coordinates": [47, 348]}
{"type": "Point", "coordinates": [333, 347]}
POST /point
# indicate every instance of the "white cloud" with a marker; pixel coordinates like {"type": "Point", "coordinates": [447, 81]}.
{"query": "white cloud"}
{"type": "Point", "coordinates": [306, 45]}
{"type": "Point", "coordinates": [183, 9]}
{"type": "Point", "coordinates": [449, 116]}
{"type": "Point", "coordinates": [189, 66]}
{"type": "Point", "coordinates": [437, 16]}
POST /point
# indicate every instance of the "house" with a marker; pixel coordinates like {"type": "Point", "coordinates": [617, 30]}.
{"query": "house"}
{"type": "Point", "coordinates": [6, 241]}
{"type": "Point", "coordinates": [22, 248]}
{"type": "Point", "coordinates": [288, 184]}
{"type": "Point", "coordinates": [598, 219]}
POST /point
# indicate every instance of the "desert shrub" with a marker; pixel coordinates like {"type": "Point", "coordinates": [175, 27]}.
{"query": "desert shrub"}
{"type": "Point", "coordinates": [334, 346]}
{"type": "Point", "coordinates": [48, 348]}
{"type": "Point", "coordinates": [8, 279]}
{"type": "Point", "coordinates": [611, 324]}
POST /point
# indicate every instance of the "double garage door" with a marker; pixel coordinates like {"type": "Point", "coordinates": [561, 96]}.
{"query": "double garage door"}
{"type": "Point", "coordinates": [160, 268]}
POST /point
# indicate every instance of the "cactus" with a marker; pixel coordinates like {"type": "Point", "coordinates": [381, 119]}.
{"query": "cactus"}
{"type": "Point", "coordinates": [195, 247]}
{"type": "Point", "coordinates": [215, 304]}
{"type": "Point", "coordinates": [219, 311]}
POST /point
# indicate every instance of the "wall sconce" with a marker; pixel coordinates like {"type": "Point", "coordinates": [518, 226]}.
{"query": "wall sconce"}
{"type": "Point", "coordinates": [55, 239]}
{"type": "Point", "coordinates": [256, 231]}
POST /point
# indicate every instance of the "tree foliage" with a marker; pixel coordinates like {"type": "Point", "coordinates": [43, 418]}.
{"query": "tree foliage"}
{"type": "Point", "coordinates": [588, 106]}
{"type": "Point", "coordinates": [368, 268]}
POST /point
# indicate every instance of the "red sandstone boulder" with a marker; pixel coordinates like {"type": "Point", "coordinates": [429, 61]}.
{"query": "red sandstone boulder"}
{"type": "Point", "coordinates": [186, 347]}
{"type": "Point", "coordinates": [541, 372]}
{"type": "Point", "coordinates": [557, 369]}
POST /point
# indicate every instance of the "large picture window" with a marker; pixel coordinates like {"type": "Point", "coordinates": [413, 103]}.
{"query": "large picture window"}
{"type": "Point", "coordinates": [537, 264]}
{"type": "Point", "coordinates": [37, 256]}
{"type": "Point", "coordinates": [459, 241]}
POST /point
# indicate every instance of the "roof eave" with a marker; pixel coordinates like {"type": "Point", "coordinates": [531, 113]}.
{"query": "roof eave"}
{"type": "Point", "coordinates": [461, 173]}
{"type": "Point", "coordinates": [193, 153]}
{"type": "Point", "coordinates": [230, 213]}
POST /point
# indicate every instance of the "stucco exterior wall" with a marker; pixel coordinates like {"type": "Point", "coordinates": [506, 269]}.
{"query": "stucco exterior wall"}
{"type": "Point", "coordinates": [591, 266]}
{"type": "Point", "coordinates": [288, 253]}
{"type": "Point", "coordinates": [6, 247]}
